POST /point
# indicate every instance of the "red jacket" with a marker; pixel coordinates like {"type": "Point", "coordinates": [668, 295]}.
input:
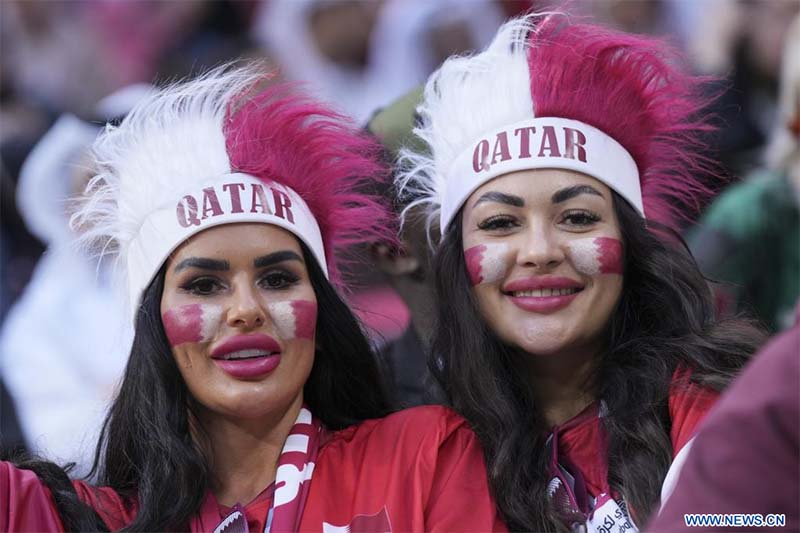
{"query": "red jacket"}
{"type": "Point", "coordinates": [420, 469]}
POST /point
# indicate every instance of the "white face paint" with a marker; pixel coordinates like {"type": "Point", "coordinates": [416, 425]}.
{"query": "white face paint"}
{"type": "Point", "coordinates": [495, 262]}
{"type": "Point", "coordinates": [487, 263]}
{"type": "Point", "coordinates": [597, 255]}
{"type": "Point", "coordinates": [282, 314]}
{"type": "Point", "coordinates": [585, 255]}
{"type": "Point", "coordinates": [191, 323]}
{"type": "Point", "coordinates": [211, 318]}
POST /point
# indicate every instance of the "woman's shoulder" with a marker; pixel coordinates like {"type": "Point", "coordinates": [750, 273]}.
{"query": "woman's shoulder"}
{"type": "Point", "coordinates": [420, 469]}
{"type": "Point", "coordinates": [689, 402]}
{"type": "Point", "coordinates": [26, 504]}
{"type": "Point", "coordinates": [115, 510]}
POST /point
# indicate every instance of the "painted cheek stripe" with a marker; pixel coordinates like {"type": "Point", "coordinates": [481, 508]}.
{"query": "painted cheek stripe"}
{"type": "Point", "coordinates": [191, 323]}
{"type": "Point", "coordinates": [486, 263]}
{"type": "Point", "coordinates": [609, 254]}
{"type": "Point", "coordinates": [305, 318]}
{"type": "Point", "coordinates": [598, 255]}
{"type": "Point", "coordinates": [282, 314]}
{"type": "Point", "coordinates": [473, 257]}
{"type": "Point", "coordinates": [295, 319]}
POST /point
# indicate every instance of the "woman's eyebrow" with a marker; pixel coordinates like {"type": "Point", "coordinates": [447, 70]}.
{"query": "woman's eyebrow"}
{"type": "Point", "coordinates": [571, 192]}
{"type": "Point", "coordinates": [202, 263]}
{"type": "Point", "coordinates": [503, 198]}
{"type": "Point", "coordinates": [276, 257]}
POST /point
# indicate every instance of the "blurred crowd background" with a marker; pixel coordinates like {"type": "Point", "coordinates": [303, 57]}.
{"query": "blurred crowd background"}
{"type": "Point", "coordinates": [68, 67]}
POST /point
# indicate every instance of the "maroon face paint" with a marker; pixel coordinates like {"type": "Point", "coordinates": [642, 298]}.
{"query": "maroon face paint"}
{"type": "Point", "coordinates": [486, 263]}
{"type": "Point", "coordinates": [305, 318]}
{"type": "Point", "coordinates": [191, 323]}
{"type": "Point", "coordinates": [596, 255]}
{"type": "Point", "coordinates": [609, 255]}
{"type": "Point", "coordinates": [294, 319]}
{"type": "Point", "coordinates": [183, 324]}
{"type": "Point", "coordinates": [473, 257]}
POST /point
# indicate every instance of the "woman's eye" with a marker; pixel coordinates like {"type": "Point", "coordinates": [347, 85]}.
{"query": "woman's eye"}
{"type": "Point", "coordinates": [498, 223]}
{"type": "Point", "coordinates": [580, 218]}
{"type": "Point", "coordinates": [203, 286]}
{"type": "Point", "coordinates": [278, 280]}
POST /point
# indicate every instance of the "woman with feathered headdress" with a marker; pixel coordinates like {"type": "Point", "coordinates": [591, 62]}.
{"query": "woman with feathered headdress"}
{"type": "Point", "coordinates": [577, 338]}
{"type": "Point", "coordinates": [251, 399]}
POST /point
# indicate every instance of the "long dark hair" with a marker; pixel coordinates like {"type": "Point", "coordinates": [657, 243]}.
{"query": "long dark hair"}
{"type": "Point", "coordinates": [664, 320]}
{"type": "Point", "coordinates": [146, 449]}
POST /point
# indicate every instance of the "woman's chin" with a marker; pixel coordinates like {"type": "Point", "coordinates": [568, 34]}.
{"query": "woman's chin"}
{"type": "Point", "coordinates": [542, 348]}
{"type": "Point", "coordinates": [543, 338]}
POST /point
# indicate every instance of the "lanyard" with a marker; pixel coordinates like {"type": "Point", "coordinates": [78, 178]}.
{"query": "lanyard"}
{"type": "Point", "coordinates": [572, 502]}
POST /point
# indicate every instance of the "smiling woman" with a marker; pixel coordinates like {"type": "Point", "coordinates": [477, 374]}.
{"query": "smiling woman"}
{"type": "Point", "coordinates": [251, 399]}
{"type": "Point", "coordinates": [562, 222]}
{"type": "Point", "coordinates": [573, 332]}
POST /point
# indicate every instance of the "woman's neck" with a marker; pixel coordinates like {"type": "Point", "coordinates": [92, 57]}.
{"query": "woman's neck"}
{"type": "Point", "coordinates": [561, 384]}
{"type": "Point", "coordinates": [244, 452]}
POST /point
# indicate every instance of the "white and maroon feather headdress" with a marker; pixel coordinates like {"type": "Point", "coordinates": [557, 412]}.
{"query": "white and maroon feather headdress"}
{"type": "Point", "coordinates": [223, 149]}
{"type": "Point", "coordinates": [548, 93]}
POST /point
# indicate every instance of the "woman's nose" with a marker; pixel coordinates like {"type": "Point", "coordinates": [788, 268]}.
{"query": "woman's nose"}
{"type": "Point", "coordinates": [540, 248]}
{"type": "Point", "coordinates": [246, 309]}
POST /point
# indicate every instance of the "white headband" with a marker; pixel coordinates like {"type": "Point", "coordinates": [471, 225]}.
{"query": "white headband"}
{"type": "Point", "coordinates": [228, 199]}
{"type": "Point", "coordinates": [545, 142]}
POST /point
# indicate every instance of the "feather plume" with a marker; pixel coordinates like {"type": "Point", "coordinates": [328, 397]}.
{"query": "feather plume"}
{"type": "Point", "coordinates": [544, 65]}
{"type": "Point", "coordinates": [466, 97]}
{"type": "Point", "coordinates": [228, 121]}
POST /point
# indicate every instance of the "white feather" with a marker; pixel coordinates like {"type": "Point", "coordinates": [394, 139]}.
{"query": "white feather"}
{"type": "Point", "coordinates": [171, 140]}
{"type": "Point", "coordinates": [463, 99]}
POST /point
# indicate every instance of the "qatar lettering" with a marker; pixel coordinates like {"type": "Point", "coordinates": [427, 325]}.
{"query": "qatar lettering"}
{"type": "Point", "coordinates": [191, 323]}
{"type": "Point", "coordinates": [596, 255]}
{"type": "Point", "coordinates": [528, 142]}
{"type": "Point", "coordinates": [487, 263]}
{"type": "Point", "coordinates": [192, 210]}
{"type": "Point", "coordinates": [543, 142]}
{"type": "Point", "coordinates": [294, 319]}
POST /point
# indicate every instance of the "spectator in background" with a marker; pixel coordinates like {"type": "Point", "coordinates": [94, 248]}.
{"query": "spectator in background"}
{"type": "Point", "coordinates": [361, 55]}
{"type": "Point", "coordinates": [742, 41]}
{"type": "Point", "coordinates": [64, 344]}
{"type": "Point", "coordinates": [407, 267]}
{"type": "Point", "coordinates": [54, 56]}
{"type": "Point", "coordinates": [19, 250]}
{"type": "Point", "coordinates": [749, 239]}
{"type": "Point", "coordinates": [23, 121]}
{"type": "Point", "coordinates": [164, 39]}
{"type": "Point", "coordinates": [12, 441]}
{"type": "Point", "coordinates": [635, 16]}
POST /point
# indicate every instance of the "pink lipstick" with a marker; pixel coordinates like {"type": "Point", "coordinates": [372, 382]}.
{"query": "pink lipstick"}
{"type": "Point", "coordinates": [247, 356]}
{"type": "Point", "coordinates": [542, 294]}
